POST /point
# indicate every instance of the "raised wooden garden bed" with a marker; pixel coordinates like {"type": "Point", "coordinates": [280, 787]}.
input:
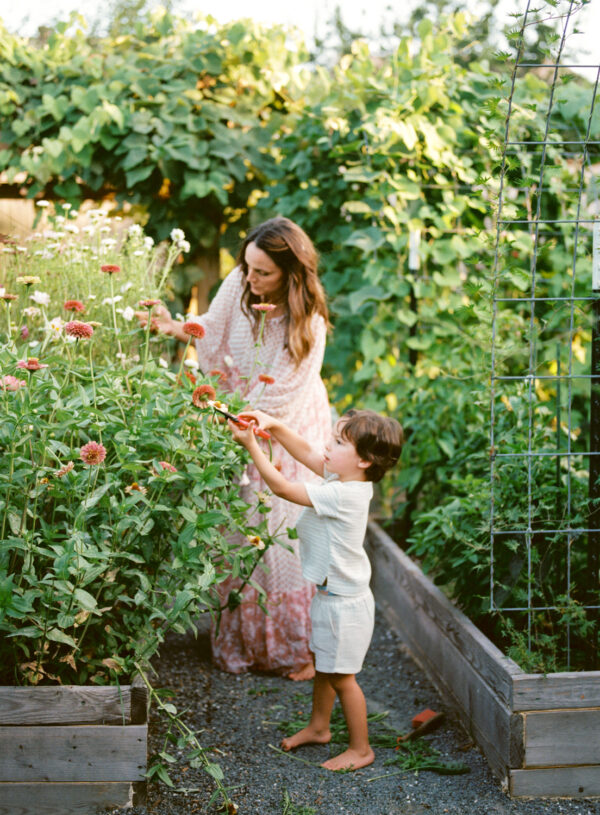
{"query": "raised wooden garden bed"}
{"type": "Point", "coordinates": [540, 733]}
{"type": "Point", "coordinates": [72, 749]}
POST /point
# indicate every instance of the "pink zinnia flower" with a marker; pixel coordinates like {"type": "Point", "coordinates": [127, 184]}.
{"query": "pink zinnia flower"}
{"type": "Point", "coordinates": [75, 328]}
{"type": "Point", "coordinates": [8, 297]}
{"type": "Point", "coordinates": [74, 305]}
{"type": "Point", "coordinates": [268, 380]}
{"type": "Point", "coordinates": [31, 364]}
{"type": "Point", "coordinates": [264, 306]}
{"type": "Point", "coordinates": [203, 394]}
{"type": "Point", "coordinates": [149, 303]}
{"type": "Point", "coordinates": [93, 453]}
{"type": "Point", "coordinates": [168, 467]}
{"type": "Point", "coordinates": [11, 383]}
{"type": "Point", "coordinates": [24, 332]}
{"type": "Point", "coordinates": [221, 374]}
{"type": "Point", "coordinates": [66, 468]}
{"type": "Point", "coordinates": [193, 330]}
{"type": "Point", "coordinates": [110, 268]}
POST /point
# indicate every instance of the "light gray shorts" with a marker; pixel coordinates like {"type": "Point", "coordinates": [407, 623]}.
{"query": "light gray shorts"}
{"type": "Point", "coordinates": [342, 628]}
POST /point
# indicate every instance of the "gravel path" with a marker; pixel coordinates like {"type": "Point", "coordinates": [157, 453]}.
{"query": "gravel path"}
{"type": "Point", "coordinates": [238, 716]}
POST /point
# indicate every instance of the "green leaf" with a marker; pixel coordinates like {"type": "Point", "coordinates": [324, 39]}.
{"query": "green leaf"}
{"type": "Point", "coordinates": [56, 635]}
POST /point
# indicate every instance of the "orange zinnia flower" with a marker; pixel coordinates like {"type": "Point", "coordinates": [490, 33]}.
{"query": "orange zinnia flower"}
{"type": "Point", "coordinates": [202, 394]}
{"type": "Point", "coordinates": [193, 330]}
{"type": "Point", "coordinates": [268, 380]}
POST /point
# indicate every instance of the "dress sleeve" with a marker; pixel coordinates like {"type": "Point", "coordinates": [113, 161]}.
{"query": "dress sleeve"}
{"type": "Point", "coordinates": [218, 319]}
{"type": "Point", "coordinates": [292, 382]}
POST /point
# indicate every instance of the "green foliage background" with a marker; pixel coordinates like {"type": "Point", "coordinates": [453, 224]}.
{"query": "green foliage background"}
{"type": "Point", "coordinates": [210, 128]}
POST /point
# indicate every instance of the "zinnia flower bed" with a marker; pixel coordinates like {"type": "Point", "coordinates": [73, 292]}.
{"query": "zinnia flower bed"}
{"type": "Point", "coordinates": [117, 492]}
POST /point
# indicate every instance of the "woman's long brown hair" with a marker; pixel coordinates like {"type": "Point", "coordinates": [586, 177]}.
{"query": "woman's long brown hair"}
{"type": "Point", "coordinates": [290, 248]}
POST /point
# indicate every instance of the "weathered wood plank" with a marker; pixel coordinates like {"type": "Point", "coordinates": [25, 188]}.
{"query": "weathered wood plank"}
{"type": "Point", "coordinates": [571, 782]}
{"type": "Point", "coordinates": [559, 690]}
{"type": "Point", "coordinates": [67, 799]}
{"type": "Point", "coordinates": [87, 753]}
{"type": "Point", "coordinates": [140, 702]}
{"type": "Point", "coordinates": [496, 669]}
{"type": "Point", "coordinates": [405, 603]}
{"type": "Point", "coordinates": [556, 737]}
{"type": "Point", "coordinates": [65, 704]}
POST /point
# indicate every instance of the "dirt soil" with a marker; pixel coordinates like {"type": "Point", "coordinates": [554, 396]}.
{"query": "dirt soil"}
{"type": "Point", "coordinates": [238, 717]}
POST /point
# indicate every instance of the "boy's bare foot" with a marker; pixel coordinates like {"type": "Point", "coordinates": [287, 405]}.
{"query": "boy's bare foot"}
{"type": "Point", "coordinates": [349, 760]}
{"type": "Point", "coordinates": [308, 735]}
{"type": "Point", "coordinates": [307, 671]}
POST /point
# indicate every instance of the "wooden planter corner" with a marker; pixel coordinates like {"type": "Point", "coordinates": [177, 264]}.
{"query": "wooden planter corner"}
{"type": "Point", "coordinates": [540, 733]}
{"type": "Point", "coordinates": [72, 749]}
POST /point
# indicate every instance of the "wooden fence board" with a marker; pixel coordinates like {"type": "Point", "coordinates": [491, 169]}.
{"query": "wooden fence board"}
{"type": "Point", "coordinates": [561, 737]}
{"type": "Point", "coordinates": [67, 799]}
{"type": "Point", "coordinates": [571, 782]}
{"type": "Point", "coordinates": [559, 690]}
{"type": "Point", "coordinates": [88, 753]}
{"type": "Point", "coordinates": [66, 704]}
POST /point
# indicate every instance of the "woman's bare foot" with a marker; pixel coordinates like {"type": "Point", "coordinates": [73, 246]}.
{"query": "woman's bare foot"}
{"type": "Point", "coordinates": [349, 760]}
{"type": "Point", "coordinates": [307, 671]}
{"type": "Point", "coordinates": [308, 735]}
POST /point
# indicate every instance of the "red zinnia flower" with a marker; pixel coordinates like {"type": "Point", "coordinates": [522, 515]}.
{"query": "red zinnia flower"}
{"type": "Point", "coordinates": [78, 329]}
{"type": "Point", "coordinates": [74, 305]}
{"type": "Point", "coordinates": [6, 296]}
{"type": "Point", "coordinates": [268, 380]}
{"type": "Point", "coordinates": [203, 394]}
{"type": "Point", "coordinates": [11, 383]}
{"type": "Point", "coordinates": [193, 330]}
{"type": "Point", "coordinates": [149, 303]}
{"type": "Point", "coordinates": [93, 453]}
{"type": "Point", "coordinates": [221, 374]}
{"type": "Point", "coordinates": [32, 364]}
{"type": "Point", "coordinates": [110, 268]}
{"type": "Point", "coordinates": [264, 306]}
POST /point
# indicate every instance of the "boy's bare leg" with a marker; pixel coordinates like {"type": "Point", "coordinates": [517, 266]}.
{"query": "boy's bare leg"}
{"type": "Point", "coordinates": [317, 730]}
{"type": "Point", "coordinates": [359, 753]}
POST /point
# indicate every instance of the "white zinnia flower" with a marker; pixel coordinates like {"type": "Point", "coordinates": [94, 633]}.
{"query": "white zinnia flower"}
{"type": "Point", "coordinates": [163, 362]}
{"type": "Point", "coordinates": [190, 363]}
{"type": "Point", "coordinates": [184, 246]}
{"type": "Point", "coordinates": [42, 203]}
{"type": "Point", "coordinates": [177, 235]}
{"type": "Point", "coordinates": [128, 314]}
{"type": "Point", "coordinates": [148, 242]}
{"type": "Point", "coordinates": [135, 231]}
{"type": "Point", "coordinates": [228, 360]}
{"type": "Point", "coordinates": [42, 298]}
{"type": "Point", "coordinates": [55, 326]}
{"type": "Point", "coordinates": [109, 301]}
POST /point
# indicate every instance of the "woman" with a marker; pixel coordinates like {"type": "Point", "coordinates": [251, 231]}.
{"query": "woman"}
{"type": "Point", "coordinates": [277, 264]}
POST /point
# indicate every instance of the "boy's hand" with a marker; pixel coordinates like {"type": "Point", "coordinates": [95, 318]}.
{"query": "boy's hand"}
{"type": "Point", "coordinates": [263, 420]}
{"type": "Point", "coordinates": [243, 435]}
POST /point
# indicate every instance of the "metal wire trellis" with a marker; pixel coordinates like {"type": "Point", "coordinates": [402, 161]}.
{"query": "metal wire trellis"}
{"type": "Point", "coordinates": [545, 366]}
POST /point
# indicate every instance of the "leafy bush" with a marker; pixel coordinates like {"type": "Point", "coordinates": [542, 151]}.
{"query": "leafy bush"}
{"type": "Point", "coordinates": [116, 493]}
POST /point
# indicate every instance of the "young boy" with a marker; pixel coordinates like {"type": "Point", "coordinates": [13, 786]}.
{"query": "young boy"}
{"type": "Point", "coordinates": [331, 530]}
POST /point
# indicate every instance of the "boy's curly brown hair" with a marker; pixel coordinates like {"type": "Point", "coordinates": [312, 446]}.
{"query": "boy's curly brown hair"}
{"type": "Point", "coordinates": [377, 439]}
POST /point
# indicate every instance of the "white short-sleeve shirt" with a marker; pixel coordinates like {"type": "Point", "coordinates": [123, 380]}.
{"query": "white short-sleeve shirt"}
{"type": "Point", "coordinates": [332, 534]}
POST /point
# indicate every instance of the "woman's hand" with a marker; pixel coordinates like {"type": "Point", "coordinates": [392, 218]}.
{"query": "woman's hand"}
{"type": "Point", "coordinates": [263, 420]}
{"type": "Point", "coordinates": [161, 319]}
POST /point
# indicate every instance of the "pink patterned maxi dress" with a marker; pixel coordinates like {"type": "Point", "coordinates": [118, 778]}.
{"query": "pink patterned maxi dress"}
{"type": "Point", "coordinates": [248, 638]}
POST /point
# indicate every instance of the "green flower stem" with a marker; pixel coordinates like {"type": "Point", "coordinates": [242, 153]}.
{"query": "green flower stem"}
{"type": "Point", "coordinates": [185, 350]}
{"type": "Point", "coordinates": [146, 345]}
{"type": "Point", "coordinates": [189, 736]}
{"type": "Point", "coordinates": [257, 346]}
{"type": "Point", "coordinates": [114, 316]}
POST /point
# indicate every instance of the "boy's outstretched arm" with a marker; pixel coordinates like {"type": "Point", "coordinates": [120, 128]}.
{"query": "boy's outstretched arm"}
{"type": "Point", "coordinates": [290, 490]}
{"type": "Point", "coordinates": [296, 446]}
